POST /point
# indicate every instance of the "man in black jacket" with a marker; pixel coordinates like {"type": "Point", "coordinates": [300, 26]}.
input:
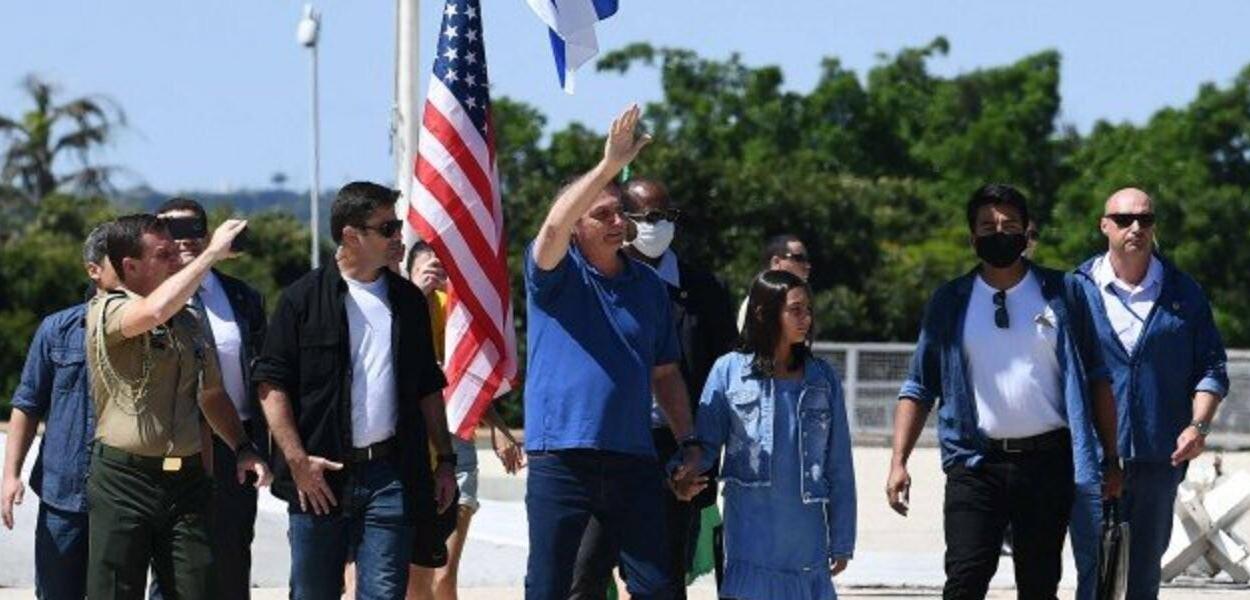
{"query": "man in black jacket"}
{"type": "Point", "coordinates": [352, 393]}
{"type": "Point", "coordinates": [234, 314]}
{"type": "Point", "coordinates": [703, 314]}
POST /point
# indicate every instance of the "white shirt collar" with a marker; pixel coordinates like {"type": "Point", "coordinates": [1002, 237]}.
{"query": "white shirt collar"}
{"type": "Point", "coordinates": [1105, 275]}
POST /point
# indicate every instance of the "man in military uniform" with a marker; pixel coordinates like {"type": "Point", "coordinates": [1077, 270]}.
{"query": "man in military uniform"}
{"type": "Point", "coordinates": [153, 375]}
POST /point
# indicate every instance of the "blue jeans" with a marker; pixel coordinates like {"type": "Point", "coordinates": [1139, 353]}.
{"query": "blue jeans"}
{"type": "Point", "coordinates": [60, 554]}
{"type": "Point", "coordinates": [1149, 495]}
{"type": "Point", "coordinates": [1086, 533]}
{"type": "Point", "coordinates": [378, 533]}
{"type": "Point", "coordinates": [623, 492]}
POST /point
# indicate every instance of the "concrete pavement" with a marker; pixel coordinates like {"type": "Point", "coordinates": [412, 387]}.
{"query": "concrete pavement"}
{"type": "Point", "coordinates": [896, 557]}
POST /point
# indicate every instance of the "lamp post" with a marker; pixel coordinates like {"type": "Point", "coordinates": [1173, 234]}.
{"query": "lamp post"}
{"type": "Point", "coordinates": [306, 33]}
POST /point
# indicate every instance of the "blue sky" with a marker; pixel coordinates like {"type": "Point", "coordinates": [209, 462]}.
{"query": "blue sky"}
{"type": "Point", "coordinates": [217, 92]}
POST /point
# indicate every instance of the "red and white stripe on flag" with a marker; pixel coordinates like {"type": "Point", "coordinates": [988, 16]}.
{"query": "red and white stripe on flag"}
{"type": "Point", "coordinates": [457, 210]}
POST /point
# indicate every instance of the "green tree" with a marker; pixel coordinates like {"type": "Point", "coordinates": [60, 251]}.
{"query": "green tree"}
{"type": "Point", "coordinates": [48, 131]}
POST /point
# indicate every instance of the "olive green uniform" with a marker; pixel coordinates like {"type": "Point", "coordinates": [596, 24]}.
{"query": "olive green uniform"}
{"type": "Point", "coordinates": [147, 488]}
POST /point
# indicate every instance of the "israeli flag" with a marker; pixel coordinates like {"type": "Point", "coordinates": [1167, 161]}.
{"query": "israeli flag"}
{"type": "Point", "coordinates": [571, 24]}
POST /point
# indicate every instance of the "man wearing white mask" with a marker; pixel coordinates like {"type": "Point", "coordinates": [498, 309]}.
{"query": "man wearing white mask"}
{"type": "Point", "coordinates": [702, 311]}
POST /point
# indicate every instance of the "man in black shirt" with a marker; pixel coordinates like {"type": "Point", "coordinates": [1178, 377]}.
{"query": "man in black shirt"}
{"type": "Point", "coordinates": [352, 393]}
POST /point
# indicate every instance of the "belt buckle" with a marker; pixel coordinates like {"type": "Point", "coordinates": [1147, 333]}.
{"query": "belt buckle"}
{"type": "Point", "coordinates": [369, 452]}
{"type": "Point", "coordinates": [1009, 449]}
{"type": "Point", "coordinates": [171, 463]}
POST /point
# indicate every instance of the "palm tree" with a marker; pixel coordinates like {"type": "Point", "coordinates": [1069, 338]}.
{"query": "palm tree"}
{"type": "Point", "coordinates": [48, 131]}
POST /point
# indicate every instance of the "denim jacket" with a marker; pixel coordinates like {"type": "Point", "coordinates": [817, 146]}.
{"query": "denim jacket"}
{"type": "Point", "coordinates": [736, 412]}
{"type": "Point", "coordinates": [54, 388]}
{"type": "Point", "coordinates": [939, 370]}
{"type": "Point", "coordinates": [1179, 353]}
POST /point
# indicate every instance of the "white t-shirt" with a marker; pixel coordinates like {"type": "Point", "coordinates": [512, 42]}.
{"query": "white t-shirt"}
{"type": "Point", "coordinates": [1128, 305]}
{"type": "Point", "coordinates": [229, 342]}
{"type": "Point", "coordinates": [1014, 371]}
{"type": "Point", "coordinates": [373, 379]}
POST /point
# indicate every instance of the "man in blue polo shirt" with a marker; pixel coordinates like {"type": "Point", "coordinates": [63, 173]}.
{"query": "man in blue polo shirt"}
{"type": "Point", "coordinates": [1167, 366]}
{"type": "Point", "coordinates": [54, 389]}
{"type": "Point", "coordinates": [601, 340]}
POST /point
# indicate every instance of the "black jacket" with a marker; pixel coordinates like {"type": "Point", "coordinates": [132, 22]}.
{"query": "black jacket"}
{"type": "Point", "coordinates": [306, 353]}
{"type": "Point", "coordinates": [706, 329]}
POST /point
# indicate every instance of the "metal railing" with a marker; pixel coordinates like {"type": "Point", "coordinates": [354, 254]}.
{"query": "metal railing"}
{"type": "Point", "coordinates": [872, 373]}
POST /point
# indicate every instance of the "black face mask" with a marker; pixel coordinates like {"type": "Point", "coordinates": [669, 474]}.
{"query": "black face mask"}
{"type": "Point", "coordinates": [1000, 250]}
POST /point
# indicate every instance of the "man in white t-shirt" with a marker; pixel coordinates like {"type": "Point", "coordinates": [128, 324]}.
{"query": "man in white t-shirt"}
{"type": "Point", "coordinates": [1010, 350]}
{"type": "Point", "coordinates": [353, 394]}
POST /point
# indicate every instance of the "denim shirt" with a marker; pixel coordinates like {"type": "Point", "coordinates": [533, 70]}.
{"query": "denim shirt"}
{"type": "Point", "coordinates": [736, 412]}
{"type": "Point", "coordinates": [1179, 353]}
{"type": "Point", "coordinates": [54, 388]}
{"type": "Point", "coordinates": [939, 370]}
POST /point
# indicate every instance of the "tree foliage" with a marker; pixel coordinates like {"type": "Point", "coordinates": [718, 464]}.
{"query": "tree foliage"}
{"type": "Point", "coordinates": [871, 169]}
{"type": "Point", "coordinates": [48, 131]}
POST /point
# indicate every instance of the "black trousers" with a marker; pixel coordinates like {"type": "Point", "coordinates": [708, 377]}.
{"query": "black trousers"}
{"type": "Point", "coordinates": [597, 555]}
{"type": "Point", "coordinates": [232, 523]}
{"type": "Point", "coordinates": [1031, 491]}
{"type": "Point", "coordinates": [140, 516]}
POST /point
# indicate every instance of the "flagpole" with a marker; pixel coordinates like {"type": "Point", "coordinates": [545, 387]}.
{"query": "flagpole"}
{"type": "Point", "coordinates": [407, 122]}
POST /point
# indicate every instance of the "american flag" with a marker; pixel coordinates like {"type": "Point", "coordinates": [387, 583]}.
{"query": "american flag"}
{"type": "Point", "coordinates": [456, 209]}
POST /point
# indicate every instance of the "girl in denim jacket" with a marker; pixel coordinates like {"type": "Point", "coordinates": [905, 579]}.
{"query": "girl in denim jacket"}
{"type": "Point", "coordinates": [789, 487]}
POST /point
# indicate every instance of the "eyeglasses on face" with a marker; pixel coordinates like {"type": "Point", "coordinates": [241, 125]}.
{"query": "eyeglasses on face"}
{"type": "Point", "coordinates": [1001, 319]}
{"type": "Point", "coordinates": [385, 228]}
{"type": "Point", "coordinates": [1125, 220]}
{"type": "Point", "coordinates": [654, 215]}
{"type": "Point", "coordinates": [797, 257]}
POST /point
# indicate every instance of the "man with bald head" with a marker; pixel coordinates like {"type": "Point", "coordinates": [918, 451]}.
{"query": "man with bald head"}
{"type": "Point", "coordinates": [1167, 366]}
{"type": "Point", "coordinates": [702, 311]}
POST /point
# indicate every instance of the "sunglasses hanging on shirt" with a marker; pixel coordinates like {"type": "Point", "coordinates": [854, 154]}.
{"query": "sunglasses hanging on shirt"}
{"type": "Point", "coordinates": [1001, 319]}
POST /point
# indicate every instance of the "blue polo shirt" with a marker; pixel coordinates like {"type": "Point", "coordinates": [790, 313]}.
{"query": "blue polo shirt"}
{"type": "Point", "coordinates": [592, 343]}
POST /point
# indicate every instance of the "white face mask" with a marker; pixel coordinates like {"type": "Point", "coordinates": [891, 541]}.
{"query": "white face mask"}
{"type": "Point", "coordinates": [654, 238]}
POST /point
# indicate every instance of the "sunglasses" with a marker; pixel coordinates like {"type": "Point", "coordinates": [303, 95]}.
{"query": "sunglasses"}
{"type": "Point", "coordinates": [1001, 320]}
{"type": "Point", "coordinates": [654, 215]}
{"type": "Point", "coordinates": [797, 257]}
{"type": "Point", "coordinates": [1123, 220]}
{"type": "Point", "coordinates": [386, 228]}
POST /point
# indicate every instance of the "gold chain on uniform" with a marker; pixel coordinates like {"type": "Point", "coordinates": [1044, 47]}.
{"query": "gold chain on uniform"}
{"type": "Point", "coordinates": [132, 399]}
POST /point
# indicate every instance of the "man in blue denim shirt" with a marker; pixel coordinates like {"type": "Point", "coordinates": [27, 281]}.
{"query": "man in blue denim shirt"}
{"type": "Point", "coordinates": [54, 388]}
{"type": "Point", "coordinates": [1167, 365]}
{"type": "Point", "coordinates": [1009, 349]}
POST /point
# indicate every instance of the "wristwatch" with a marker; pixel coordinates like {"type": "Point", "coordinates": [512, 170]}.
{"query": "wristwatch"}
{"type": "Point", "coordinates": [1203, 427]}
{"type": "Point", "coordinates": [247, 444]}
{"type": "Point", "coordinates": [688, 441]}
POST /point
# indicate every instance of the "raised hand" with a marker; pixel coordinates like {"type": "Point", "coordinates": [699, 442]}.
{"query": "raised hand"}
{"type": "Point", "coordinates": [432, 276]}
{"type": "Point", "coordinates": [223, 236]}
{"type": "Point", "coordinates": [624, 142]}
